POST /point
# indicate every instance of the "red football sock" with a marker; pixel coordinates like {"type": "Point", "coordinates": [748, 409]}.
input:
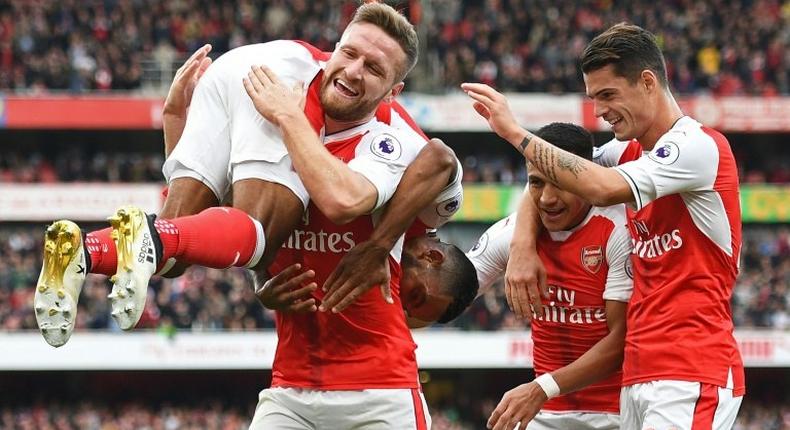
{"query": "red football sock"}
{"type": "Point", "coordinates": [218, 237]}
{"type": "Point", "coordinates": [101, 249]}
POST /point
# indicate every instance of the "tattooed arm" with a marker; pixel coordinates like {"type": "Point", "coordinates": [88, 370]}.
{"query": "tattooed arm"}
{"type": "Point", "coordinates": [601, 186]}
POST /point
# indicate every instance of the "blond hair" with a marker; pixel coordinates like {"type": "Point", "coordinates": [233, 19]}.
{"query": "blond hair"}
{"type": "Point", "coordinates": [396, 26]}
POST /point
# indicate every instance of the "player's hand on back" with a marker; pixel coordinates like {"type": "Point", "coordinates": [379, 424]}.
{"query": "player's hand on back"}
{"type": "Point", "coordinates": [187, 76]}
{"type": "Point", "coordinates": [525, 282]}
{"type": "Point", "coordinates": [362, 268]}
{"type": "Point", "coordinates": [179, 97]}
{"type": "Point", "coordinates": [289, 291]}
{"type": "Point", "coordinates": [519, 405]}
{"type": "Point", "coordinates": [271, 97]}
{"type": "Point", "coordinates": [493, 106]}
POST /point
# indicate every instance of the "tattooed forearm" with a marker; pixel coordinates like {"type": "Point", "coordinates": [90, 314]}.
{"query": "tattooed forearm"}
{"type": "Point", "coordinates": [549, 159]}
{"type": "Point", "coordinates": [552, 172]}
{"type": "Point", "coordinates": [570, 163]}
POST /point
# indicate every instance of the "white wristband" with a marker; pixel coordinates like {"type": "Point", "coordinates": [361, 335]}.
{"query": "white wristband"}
{"type": "Point", "coordinates": [549, 385]}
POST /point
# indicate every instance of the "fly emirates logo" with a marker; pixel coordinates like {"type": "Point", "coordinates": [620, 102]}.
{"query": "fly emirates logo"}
{"type": "Point", "coordinates": [647, 246]}
{"type": "Point", "coordinates": [321, 241]}
{"type": "Point", "coordinates": [562, 309]}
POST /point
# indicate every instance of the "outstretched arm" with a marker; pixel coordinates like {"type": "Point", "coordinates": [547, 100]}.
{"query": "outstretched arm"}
{"type": "Point", "coordinates": [366, 264]}
{"type": "Point", "coordinates": [601, 186]}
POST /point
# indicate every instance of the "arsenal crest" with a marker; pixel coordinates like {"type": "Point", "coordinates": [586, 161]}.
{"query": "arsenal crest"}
{"type": "Point", "coordinates": [592, 258]}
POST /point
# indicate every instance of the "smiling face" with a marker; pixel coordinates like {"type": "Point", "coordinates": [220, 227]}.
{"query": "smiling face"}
{"type": "Point", "coordinates": [628, 107]}
{"type": "Point", "coordinates": [559, 210]}
{"type": "Point", "coordinates": [361, 73]}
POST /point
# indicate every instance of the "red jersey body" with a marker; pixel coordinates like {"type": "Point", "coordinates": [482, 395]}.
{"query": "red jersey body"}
{"type": "Point", "coordinates": [366, 346]}
{"type": "Point", "coordinates": [586, 266]}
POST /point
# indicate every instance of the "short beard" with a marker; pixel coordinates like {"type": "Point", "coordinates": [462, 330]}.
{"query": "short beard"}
{"type": "Point", "coordinates": [346, 112]}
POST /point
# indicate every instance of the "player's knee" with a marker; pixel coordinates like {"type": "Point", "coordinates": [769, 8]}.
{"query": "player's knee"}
{"type": "Point", "coordinates": [187, 196]}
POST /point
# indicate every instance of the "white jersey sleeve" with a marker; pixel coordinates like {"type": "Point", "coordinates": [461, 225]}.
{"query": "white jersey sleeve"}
{"type": "Point", "coordinates": [608, 154]}
{"type": "Point", "coordinates": [616, 152]}
{"type": "Point", "coordinates": [619, 279]}
{"type": "Point", "coordinates": [383, 155]}
{"type": "Point", "coordinates": [678, 163]}
{"type": "Point", "coordinates": [491, 253]}
{"type": "Point", "coordinates": [447, 202]}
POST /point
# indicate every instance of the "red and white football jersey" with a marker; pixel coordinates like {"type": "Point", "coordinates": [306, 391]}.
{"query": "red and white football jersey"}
{"type": "Point", "coordinates": [586, 266]}
{"type": "Point", "coordinates": [369, 344]}
{"type": "Point", "coordinates": [686, 235]}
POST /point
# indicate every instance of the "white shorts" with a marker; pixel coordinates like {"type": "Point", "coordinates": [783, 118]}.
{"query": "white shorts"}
{"type": "Point", "coordinates": [224, 129]}
{"type": "Point", "coordinates": [545, 420]}
{"type": "Point", "coordinates": [376, 409]}
{"type": "Point", "coordinates": [677, 405]}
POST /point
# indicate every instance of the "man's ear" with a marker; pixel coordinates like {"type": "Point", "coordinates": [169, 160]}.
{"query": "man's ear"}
{"type": "Point", "coordinates": [394, 92]}
{"type": "Point", "coordinates": [434, 256]}
{"type": "Point", "coordinates": [649, 80]}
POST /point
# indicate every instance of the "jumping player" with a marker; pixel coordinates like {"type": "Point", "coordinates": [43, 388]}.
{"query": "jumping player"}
{"type": "Point", "coordinates": [204, 149]}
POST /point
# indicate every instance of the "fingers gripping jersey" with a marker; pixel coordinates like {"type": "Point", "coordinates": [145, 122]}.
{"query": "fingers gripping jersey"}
{"type": "Point", "coordinates": [686, 234]}
{"type": "Point", "coordinates": [586, 266]}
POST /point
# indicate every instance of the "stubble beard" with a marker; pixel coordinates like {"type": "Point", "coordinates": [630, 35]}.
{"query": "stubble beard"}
{"type": "Point", "coordinates": [336, 109]}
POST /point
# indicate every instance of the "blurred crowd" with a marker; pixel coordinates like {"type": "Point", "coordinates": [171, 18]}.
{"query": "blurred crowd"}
{"type": "Point", "coordinates": [208, 299]}
{"type": "Point", "coordinates": [79, 165]}
{"type": "Point", "coordinates": [90, 415]}
{"type": "Point", "coordinates": [718, 46]}
{"type": "Point", "coordinates": [87, 415]}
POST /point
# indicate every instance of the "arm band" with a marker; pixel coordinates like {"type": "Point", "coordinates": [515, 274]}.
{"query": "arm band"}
{"type": "Point", "coordinates": [549, 385]}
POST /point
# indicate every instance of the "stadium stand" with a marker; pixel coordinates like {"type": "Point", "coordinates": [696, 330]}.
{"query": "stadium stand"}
{"type": "Point", "coordinates": [724, 48]}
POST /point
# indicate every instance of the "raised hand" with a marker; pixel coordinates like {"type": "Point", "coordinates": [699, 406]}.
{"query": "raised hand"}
{"type": "Point", "coordinates": [365, 266]}
{"type": "Point", "coordinates": [179, 97]}
{"type": "Point", "coordinates": [286, 292]}
{"type": "Point", "coordinates": [271, 97]}
{"type": "Point", "coordinates": [493, 106]}
{"type": "Point", "coordinates": [187, 76]}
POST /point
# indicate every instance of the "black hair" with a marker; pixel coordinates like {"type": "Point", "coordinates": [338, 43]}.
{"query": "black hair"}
{"type": "Point", "coordinates": [630, 49]}
{"type": "Point", "coordinates": [460, 282]}
{"type": "Point", "coordinates": [568, 137]}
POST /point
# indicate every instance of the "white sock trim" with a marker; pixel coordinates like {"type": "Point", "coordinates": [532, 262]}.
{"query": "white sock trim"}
{"type": "Point", "coordinates": [260, 244]}
{"type": "Point", "coordinates": [548, 384]}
